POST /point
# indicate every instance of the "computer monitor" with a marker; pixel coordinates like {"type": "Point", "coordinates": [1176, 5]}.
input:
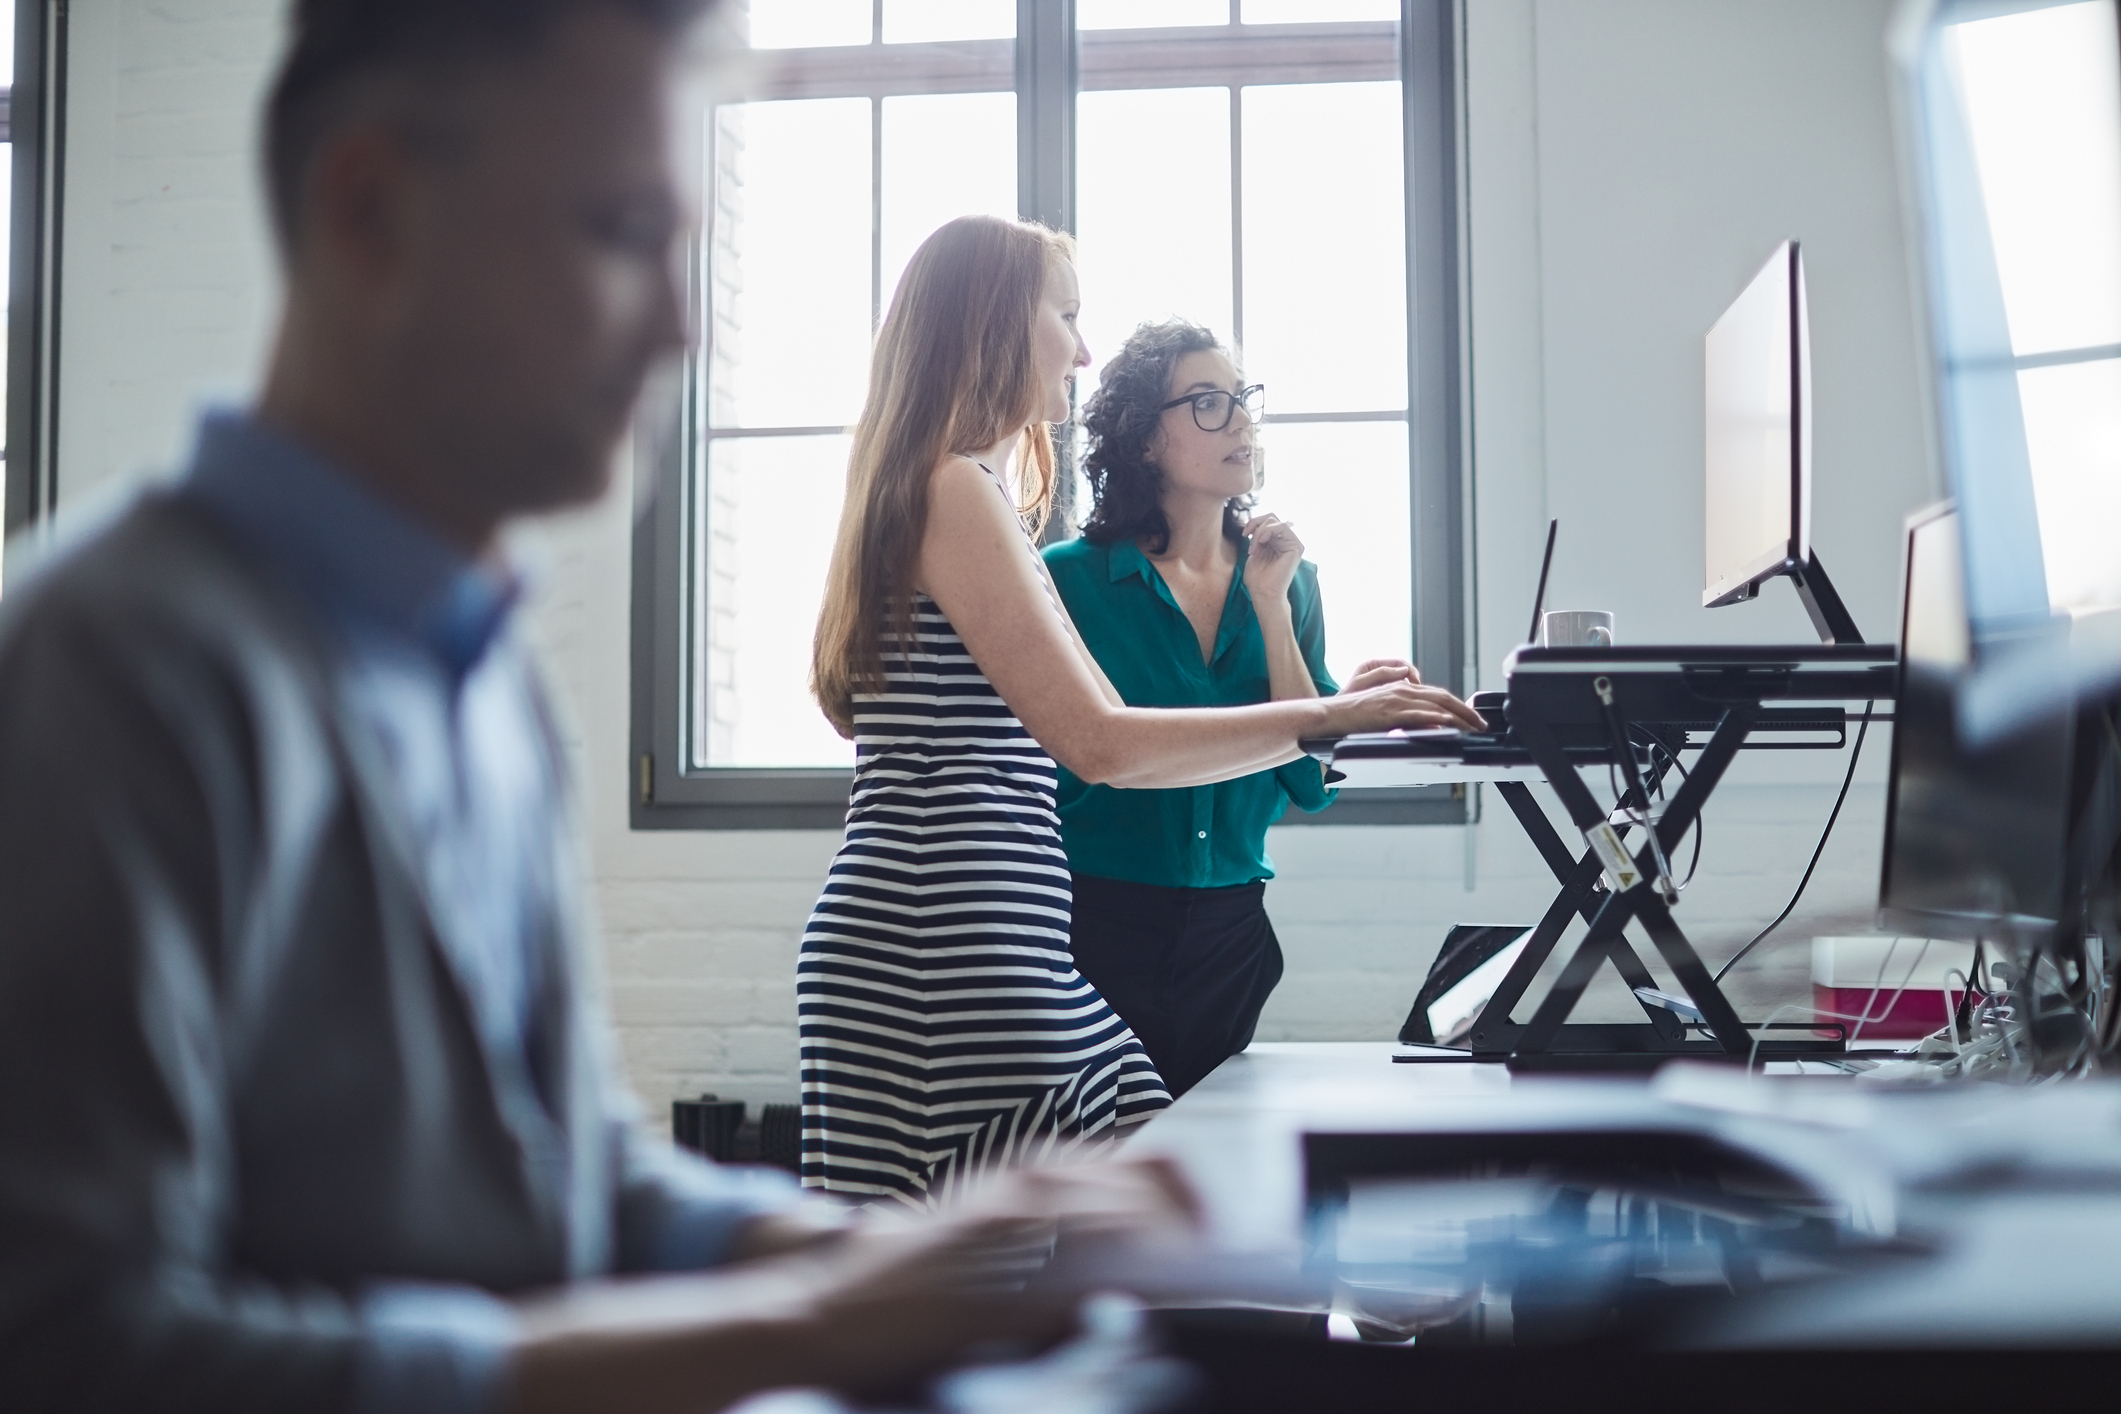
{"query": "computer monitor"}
{"type": "Point", "coordinates": [1758, 453]}
{"type": "Point", "coordinates": [1975, 836]}
{"type": "Point", "coordinates": [2011, 117]}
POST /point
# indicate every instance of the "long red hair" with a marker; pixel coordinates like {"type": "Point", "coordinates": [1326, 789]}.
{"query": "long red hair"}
{"type": "Point", "coordinates": [953, 374]}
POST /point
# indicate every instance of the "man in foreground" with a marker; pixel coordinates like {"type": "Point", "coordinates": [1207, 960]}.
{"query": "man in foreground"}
{"type": "Point", "coordinates": [304, 1102]}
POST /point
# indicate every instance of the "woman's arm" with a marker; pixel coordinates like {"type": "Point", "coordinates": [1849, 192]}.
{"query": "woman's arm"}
{"type": "Point", "coordinates": [977, 565]}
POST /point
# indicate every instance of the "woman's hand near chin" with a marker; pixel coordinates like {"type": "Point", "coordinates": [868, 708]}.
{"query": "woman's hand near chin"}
{"type": "Point", "coordinates": [1406, 704]}
{"type": "Point", "coordinates": [1271, 567]}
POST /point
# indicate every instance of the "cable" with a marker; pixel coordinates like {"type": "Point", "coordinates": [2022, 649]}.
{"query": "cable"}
{"type": "Point", "coordinates": [1760, 1028]}
{"type": "Point", "coordinates": [1824, 835]}
{"type": "Point", "coordinates": [1669, 755]}
{"type": "Point", "coordinates": [1642, 818]}
{"type": "Point", "coordinates": [1951, 1008]}
{"type": "Point", "coordinates": [1879, 985]}
{"type": "Point", "coordinates": [1661, 873]}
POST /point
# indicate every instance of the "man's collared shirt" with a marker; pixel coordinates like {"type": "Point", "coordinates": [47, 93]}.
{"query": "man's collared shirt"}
{"type": "Point", "coordinates": [1198, 836]}
{"type": "Point", "coordinates": [420, 649]}
{"type": "Point", "coordinates": [417, 623]}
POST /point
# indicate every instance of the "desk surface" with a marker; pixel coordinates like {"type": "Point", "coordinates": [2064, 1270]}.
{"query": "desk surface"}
{"type": "Point", "coordinates": [2012, 1187]}
{"type": "Point", "coordinates": [1238, 1134]}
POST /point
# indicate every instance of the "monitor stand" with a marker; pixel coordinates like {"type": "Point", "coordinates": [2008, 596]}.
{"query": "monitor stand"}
{"type": "Point", "coordinates": [1829, 615]}
{"type": "Point", "coordinates": [1701, 1025]}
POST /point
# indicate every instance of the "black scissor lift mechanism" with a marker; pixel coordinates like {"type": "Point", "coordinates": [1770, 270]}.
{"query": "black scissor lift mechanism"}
{"type": "Point", "coordinates": [1572, 707]}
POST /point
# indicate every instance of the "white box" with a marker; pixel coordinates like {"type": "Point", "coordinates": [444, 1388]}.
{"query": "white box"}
{"type": "Point", "coordinates": [1923, 964]}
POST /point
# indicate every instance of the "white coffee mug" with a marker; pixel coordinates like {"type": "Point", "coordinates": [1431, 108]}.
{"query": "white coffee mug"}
{"type": "Point", "coordinates": [1577, 628]}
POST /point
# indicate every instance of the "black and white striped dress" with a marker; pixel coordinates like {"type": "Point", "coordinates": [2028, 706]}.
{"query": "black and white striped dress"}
{"type": "Point", "coordinates": [944, 1026]}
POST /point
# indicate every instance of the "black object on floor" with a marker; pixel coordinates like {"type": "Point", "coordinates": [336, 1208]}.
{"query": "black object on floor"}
{"type": "Point", "coordinates": [707, 1126]}
{"type": "Point", "coordinates": [719, 1130]}
{"type": "Point", "coordinates": [781, 1137]}
{"type": "Point", "coordinates": [1465, 948]}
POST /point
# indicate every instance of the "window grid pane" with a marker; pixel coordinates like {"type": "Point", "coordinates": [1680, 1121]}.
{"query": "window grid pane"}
{"type": "Point", "coordinates": [1152, 201]}
{"type": "Point", "coordinates": [934, 21]}
{"type": "Point", "coordinates": [945, 155]}
{"type": "Point", "coordinates": [1150, 14]}
{"type": "Point", "coordinates": [789, 285]}
{"type": "Point", "coordinates": [802, 24]}
{"type": "Point", "coordinates": [1325, 246]}
{"type": "Point", "coordinates": [1318, 12]}
{"type": "Point", "coordinates": [1345, 487]}
{"type": "Point", "coordinates": [805, 222]}
{"type": "Point", "coordinates": [765, 520]}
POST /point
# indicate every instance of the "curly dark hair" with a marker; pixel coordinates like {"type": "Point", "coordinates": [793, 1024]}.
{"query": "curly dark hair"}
{"type": "Point", "coordinates": [1121, 418]}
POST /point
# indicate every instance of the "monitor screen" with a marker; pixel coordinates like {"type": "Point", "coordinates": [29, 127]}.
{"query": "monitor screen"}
{"type": "Point", "coordinates": [1974, 837]}
{"type": "Point", "coordinates": [2014, 127]}
{"type": "Point", "coordinates": [1758, 420]}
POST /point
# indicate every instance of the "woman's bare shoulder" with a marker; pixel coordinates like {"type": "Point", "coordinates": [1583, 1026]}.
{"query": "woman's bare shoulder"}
{"type": "Point", "coordinates": [961, 489]}
{"type": "Point", "coordinates": [968, 515]}
{"type": "Point", "coordinates": [957, 475]}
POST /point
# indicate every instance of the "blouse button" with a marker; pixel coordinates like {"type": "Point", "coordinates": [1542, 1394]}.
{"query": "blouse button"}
{"type": "Point", "coordinates": [1203, 834]}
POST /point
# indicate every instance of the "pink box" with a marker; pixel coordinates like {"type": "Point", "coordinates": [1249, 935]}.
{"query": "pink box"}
{"type": "Point", "coordinates": [1915, 1015]}
{"type": "Point", "coordinates": [1845, 970]}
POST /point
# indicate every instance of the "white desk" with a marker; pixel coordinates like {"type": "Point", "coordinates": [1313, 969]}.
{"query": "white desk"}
{"type": "Point", "coordinates": [2038, 1244]}
{"type": "Point", "coordinates": [1238, 1135]}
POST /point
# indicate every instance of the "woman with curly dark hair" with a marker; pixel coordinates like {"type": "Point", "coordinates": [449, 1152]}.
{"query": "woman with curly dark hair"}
{"type": "Point", "coordinates": [1187, 598]}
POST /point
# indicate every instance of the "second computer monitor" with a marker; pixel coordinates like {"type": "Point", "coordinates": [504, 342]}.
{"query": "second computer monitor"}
{"type": "Point", "coordinates": [1759, 444]}
{"type": "Point", "coordinates": [1975, 835]}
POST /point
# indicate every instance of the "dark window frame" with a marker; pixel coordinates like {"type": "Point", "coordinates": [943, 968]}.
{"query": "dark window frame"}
{"type": "Point", "coordinates": [1047, 69]}
{"type": "Point", "coordinates": [35, 118]}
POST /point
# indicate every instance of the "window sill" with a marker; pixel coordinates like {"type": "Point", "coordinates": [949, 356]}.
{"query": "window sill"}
{"type": "Point", "coordinates": [817, 800]}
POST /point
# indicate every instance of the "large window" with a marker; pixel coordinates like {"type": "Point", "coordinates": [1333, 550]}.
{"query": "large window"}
{"type": "Point", "coordinates": [1282, 171]}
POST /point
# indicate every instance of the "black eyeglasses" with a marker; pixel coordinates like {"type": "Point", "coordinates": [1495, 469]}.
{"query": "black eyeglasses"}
{"type": "Point", "coordinates": [1212, 411]}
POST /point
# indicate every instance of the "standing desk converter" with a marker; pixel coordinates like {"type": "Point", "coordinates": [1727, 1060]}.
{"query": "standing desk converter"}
{"type": "Point", "coordinates": [1633, 710]}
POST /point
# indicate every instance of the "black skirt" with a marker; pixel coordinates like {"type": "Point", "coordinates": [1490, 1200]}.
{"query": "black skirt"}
{"type": "Point", "coordinates": [1187, 969]}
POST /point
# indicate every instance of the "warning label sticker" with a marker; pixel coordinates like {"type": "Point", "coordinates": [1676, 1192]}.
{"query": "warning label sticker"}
{"type": "Point", "coordinates": [1620, 871]}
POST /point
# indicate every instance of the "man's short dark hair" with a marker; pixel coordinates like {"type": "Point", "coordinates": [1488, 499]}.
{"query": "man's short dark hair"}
{"type": "Point", "coordinates": [339, 47]}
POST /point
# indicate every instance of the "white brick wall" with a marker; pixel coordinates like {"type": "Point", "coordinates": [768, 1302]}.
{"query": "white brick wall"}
{"type": "Point", "coordinates": [1630, 161]}
{"type": "Point", "coordinates": [169, 278]}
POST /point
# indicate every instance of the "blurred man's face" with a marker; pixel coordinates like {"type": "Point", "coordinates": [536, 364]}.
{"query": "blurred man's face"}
{"type": "Point", "coordinates": [542, 273]}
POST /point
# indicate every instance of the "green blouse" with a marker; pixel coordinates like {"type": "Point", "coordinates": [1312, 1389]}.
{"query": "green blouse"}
{"type": "Point", "coordinates": [1198, 837]}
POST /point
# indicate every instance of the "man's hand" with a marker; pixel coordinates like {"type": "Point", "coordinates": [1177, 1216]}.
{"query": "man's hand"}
{"type": "Point", "coordinates": [811, 1224]}
{"type": "Point", "coordinates": [870, 1307]}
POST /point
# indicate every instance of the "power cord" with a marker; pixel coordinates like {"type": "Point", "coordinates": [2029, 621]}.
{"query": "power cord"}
{"type": "Point", "coordinates": [1878, 985]}
{"type": "Point", "coordinates": [1824, 835]}
{"type": "Point", "coordinates": [1670, 757]}
{"type": "Point", "coordinates": [1642, 817]}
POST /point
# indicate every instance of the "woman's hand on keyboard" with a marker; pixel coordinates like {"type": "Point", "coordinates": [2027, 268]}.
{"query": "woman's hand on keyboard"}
{"type": "Point", "coordinates": [1406, 704]}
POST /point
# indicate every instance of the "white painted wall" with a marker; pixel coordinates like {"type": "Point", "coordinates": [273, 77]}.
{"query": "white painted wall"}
{"type": "Point", "coordinates": [1630, 163]}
